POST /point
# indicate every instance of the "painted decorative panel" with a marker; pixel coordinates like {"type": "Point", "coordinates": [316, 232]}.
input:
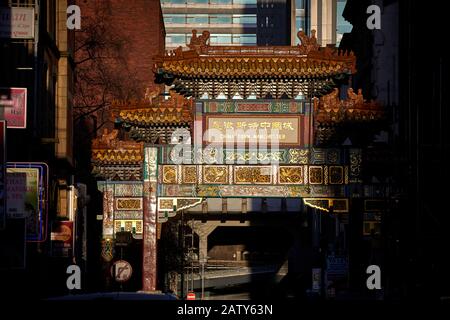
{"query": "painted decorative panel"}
{"type": "Point", "coordinates": [248, 174]}
{"type": "Point", "coordinates": [253, 175]}
{"type": "Point", "coordinates": [189, 174]}
{"type": "Point", "coordinates": [169, 174]}
{"type": "Point", "coordinates": [255, 157]}
{"type": "Point", "coordinates": [168, 207]}
{"type": "Point", "coordinates": [315, 175]}
{"type": "Point", "coordinates": [150, 164]}
{"type": "Point", "coordinates": [128, 215]}
{"type": "Point", "coordinates": [290, 175]}
{"type": "Point", "coordinates": [108, 214]}
{"type": "Point", "coordinates": [269, 191]}
{"type": "Point", "coordinates": [336, 175]}
{"type": "Point", "coordinates": [299, 156]}
{"type": "Point", "coordinates": [282, 155]}
{"type": "Point", "coordinates": [177, 191]}
{"type": "Point", "coordinates": [128, 204]}
{"type": "Point", "coordinates": [215, 174]}
{"type": "Point", "coordinates": [128, 189]}
{"type": "Point", "coordinates": [128, 225]}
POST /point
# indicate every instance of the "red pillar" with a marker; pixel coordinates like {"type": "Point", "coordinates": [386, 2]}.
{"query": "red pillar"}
{"type": "Point", "coordinates": [149, 253]}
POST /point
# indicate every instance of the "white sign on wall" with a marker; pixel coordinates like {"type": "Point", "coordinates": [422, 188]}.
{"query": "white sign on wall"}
{"type": "Point", "coordinates": [16, 23]}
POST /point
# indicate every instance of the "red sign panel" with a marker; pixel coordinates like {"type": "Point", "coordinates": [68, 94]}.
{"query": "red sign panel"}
{"type": "Point", "coordinates": [62, 238]}
{"type": "Point", "coordinates": [13, 105]}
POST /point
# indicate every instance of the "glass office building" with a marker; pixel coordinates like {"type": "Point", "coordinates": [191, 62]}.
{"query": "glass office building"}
{"type": "Point", "coordinates": [230, 22]}
{"type": "Point", "coordinates": [342, 25]}
{"type": "Point", "coordinates": [254, 22]}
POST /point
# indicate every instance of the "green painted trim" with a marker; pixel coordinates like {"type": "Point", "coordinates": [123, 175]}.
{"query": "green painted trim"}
{"type": "Point", "coordinates": [245, 106]}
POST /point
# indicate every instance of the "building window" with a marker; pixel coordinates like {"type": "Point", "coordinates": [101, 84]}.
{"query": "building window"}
{"type": "Point", "coordinates": [174, 1]}
{"type": "Point", "coordinates": [244, 19]}
{"type": "Point", "coordinates": [247, 2]}
{"type": "Point", "coordinates": [220, 39]}
{"type": "Point", "coordinates": [220, 1]}
{"type": "Point", "coordinates": [197, 1]}
{"type": "Point", "coordinates": [220, 19]}
{"type": "Point", "coordinates": [299, 4]}
{"type": "Point", "coordinates": [175, 18]}
{"type": "Point", "coordinates": [244, 39]}
{"type": "Point", "coordinates": [177, 39]}
{"type": "Point", "coordinates": [197, 19]}
{"type": "Point", "coordinates": [342, 25]}
{"type": "Point", "coordinates": [300, 23]}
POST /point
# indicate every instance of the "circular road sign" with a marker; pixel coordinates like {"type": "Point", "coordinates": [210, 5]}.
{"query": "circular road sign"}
{"type": "Point", "coordinates": [121, 271]}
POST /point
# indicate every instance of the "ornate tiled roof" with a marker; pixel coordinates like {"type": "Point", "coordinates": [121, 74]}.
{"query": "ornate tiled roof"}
{"type": "Point", "coordinates": [116, 159]}
{"type": "Point", "coordinates": [332, 110]}
{"type": "Point", "coordinates": [108, 149]}
{"type": "Point", "coordinates": [204, 61]}
{"type": "Point", "coordinates": [154, 112]}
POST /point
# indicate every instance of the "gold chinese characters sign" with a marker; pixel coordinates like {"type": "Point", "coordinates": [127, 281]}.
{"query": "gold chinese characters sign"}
{"type": "Point", "coordinates": [287, 130]}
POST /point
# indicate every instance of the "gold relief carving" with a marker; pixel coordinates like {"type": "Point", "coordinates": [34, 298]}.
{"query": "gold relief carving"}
{"type": "Point", "coordinates": [138, 226]}
{"type": "Point", "coordinates": [129, 204]}
{"type": "Point", "coordinates": [170, 174]}
{"type": "Point", "coordinates": [291, 175]}
{"type": "Point", "coordinates": [166, 204]}
{"type": "Point", "coordinates": [298, 156]}
{"type": "Point", "coordinates": [118, 226]}
{"type": "Point", "coordinates": [215, 174]}
{"type": "Point", "coordinates": [189, 174]}
{"type": "Point", "coordinates": [128, 226]}
{"type": "Point", "coordinates": [315, 175]}
{"type": "Point", "coordinates": [336, 175]}
{"type": "Point", "coordinates": [253, 175]}
{"type": "Point", "coordinates": [247, 156]}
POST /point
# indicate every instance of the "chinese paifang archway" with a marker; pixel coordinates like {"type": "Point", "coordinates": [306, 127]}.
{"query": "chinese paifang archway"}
{"type": "Point", "coordinates": [292, 89]}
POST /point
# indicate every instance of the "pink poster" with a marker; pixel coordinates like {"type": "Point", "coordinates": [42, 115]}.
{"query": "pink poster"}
{"type": "Point", "coordinates": [13, 105]}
